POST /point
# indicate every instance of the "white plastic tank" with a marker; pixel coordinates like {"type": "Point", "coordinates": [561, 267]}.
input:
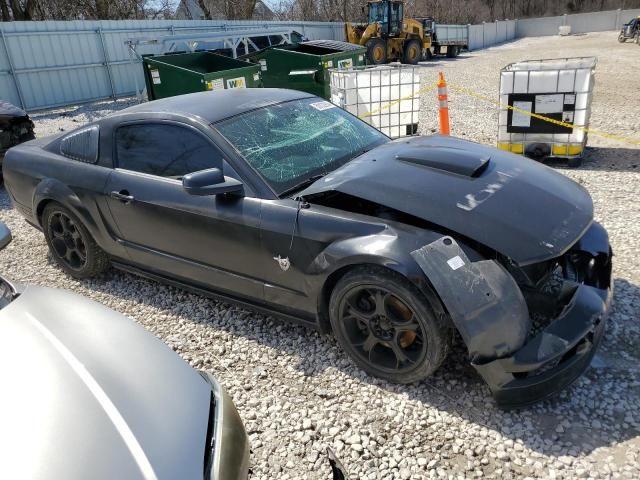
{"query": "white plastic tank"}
{"type": "Point", "coordinates": [564, 30]}
{"type": "Point", "coordinates": [387, 97]}
{"type": "Point", "coordinates": [545, 107]}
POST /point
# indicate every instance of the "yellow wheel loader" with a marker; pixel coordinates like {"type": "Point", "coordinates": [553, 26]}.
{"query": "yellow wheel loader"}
{"type": "Point", "coordinates": [389, 36]}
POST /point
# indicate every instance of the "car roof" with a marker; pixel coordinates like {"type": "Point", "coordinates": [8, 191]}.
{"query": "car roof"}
{"type": "Point", "coordinates": [214, 106]}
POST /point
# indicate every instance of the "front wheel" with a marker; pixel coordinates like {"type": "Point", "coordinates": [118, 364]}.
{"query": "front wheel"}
{"type": "Point", "coordinates": [387, 326]}
{"type": "Point", "coordinates": [71, 244]}
{"type": "Point", "coordinates": [376, 51]}
{"type": "Point", "coordinates": [621, 38]}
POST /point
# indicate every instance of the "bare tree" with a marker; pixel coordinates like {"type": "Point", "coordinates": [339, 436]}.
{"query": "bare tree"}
{"type": "Point", "coordinates": [86, 9]}
{"type": "Point", "coordinates": [445, 11]}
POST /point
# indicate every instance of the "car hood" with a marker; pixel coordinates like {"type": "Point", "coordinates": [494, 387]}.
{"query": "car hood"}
{"type": "Point", "coordinates": [8, 110]}
{"type": "Point", "coordinates": [88, 393]}
{"type": "Point", "coordinates": [515, 206]}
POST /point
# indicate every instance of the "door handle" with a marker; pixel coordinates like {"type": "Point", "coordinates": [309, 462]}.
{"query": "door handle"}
{"type": "Point", "coordinates": [123, 196]}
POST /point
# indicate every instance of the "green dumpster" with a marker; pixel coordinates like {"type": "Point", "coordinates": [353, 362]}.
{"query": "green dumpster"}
{"type": "Point", "coordinates": [180, 73]}
{"type": "Point", "coordinates": [304, 66]}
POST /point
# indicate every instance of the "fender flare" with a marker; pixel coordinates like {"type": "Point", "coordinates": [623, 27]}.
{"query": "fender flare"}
{"type": "Point", "coordinates": [50, 189]}
{"type": "Point", "coordinates": [482, 298]}
{"type": "Point", "coordinates": [345, 255]}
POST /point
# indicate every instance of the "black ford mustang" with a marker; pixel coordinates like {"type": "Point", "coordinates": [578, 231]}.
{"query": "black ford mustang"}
{"type": "Point", "coordinates": [279, 200]}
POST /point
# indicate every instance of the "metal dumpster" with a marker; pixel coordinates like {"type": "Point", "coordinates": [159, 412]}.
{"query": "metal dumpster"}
{"type": "Point", "coordinates": [180, 73]}
{"type": "Point", "coordinates": [305, 66]}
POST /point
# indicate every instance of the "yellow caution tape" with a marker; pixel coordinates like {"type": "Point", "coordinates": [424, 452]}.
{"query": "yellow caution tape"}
{"type": "Point", "coordinates": [433, 86]}
{"type": "Point", "coordinates": [599, 133]}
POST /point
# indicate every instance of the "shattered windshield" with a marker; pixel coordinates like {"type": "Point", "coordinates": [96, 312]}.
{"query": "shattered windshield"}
{"type": "Point", "coordinates": [291, 142]}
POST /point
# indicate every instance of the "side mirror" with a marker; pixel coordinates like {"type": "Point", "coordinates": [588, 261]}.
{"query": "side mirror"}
{"type": "Point", "coordinates": [5, 235]}
{"type": "Point", "coordinates": [210, 182]}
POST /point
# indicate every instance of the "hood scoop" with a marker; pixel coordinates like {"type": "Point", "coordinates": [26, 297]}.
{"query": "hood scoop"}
{"type": "Point", "coordinates": [448, 159]}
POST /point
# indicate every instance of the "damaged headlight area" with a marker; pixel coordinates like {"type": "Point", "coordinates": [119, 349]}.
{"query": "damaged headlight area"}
{"type": "Point", "coordinates": [530, 330]}
{"type": "Point", "coordinates": [15, 127]}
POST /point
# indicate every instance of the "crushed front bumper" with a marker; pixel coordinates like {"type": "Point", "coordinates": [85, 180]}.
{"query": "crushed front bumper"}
{"type": "Point", "coordinates": [555, 357]}
{"type": "Point", "coordinates": [494, 313]}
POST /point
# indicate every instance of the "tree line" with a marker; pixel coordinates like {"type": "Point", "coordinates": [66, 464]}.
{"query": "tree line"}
{"type": "Point", "coordinates": [445, 11]}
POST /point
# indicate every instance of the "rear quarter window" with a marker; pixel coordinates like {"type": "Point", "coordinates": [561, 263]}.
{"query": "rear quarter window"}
{"type": "Point", "coordinates": [81, 145]}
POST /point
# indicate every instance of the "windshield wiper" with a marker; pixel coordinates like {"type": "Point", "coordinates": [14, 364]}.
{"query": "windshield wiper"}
{"type": "Point", "coordinates": [303, 184]}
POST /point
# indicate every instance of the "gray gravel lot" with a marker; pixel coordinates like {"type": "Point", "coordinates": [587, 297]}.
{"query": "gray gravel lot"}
{"type": "Point", "coordinates": [299, 394]}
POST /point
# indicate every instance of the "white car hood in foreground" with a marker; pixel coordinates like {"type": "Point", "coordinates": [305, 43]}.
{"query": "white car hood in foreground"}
{"type": "Point", "coordinates": [89, 394]}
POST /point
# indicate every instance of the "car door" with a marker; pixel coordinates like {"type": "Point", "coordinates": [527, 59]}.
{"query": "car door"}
{"type": "Point", "coordinates": [209, 241]}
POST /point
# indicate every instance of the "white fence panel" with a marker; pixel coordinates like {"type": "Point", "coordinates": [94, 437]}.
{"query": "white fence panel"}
{"type": "Point", "coordinates": [511, 29]}
{"type": "Point", "coordinates": [476, 38]}
{"type": "Point", "coordinates": [593, 22]}
{"type": "Point", "coordinates": [56, 63]}
{"type": "Point", "coordinates": [65, 62]}
{"type": "Point", "coordinates": [538, 27]}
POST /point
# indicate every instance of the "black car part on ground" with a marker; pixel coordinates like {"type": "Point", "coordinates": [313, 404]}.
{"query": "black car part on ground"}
{"type": "Point", "coordinates": [15, 127]}
{"type": "Point", "coordinates": [530, 331]}
{"type": "Point", "coordinates": [502, 248]}
{"type": "Point", "coordinates": [337, 469]}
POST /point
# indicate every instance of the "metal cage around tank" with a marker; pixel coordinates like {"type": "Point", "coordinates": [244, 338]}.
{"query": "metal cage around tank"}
{"type": "Point", "coordinates": [545, 107]}
{"type": "Point", "coordinates": [387, 97]}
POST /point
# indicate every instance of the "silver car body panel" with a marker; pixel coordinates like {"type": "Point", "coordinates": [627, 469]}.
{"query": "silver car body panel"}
{"type": "Point", "coordinates": [87, 393]}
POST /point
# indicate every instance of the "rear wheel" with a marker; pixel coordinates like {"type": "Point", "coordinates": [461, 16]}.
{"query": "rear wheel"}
{"type": "Point", "coordinates": [412, 51]}
{"type": "Point", "coordinates": [376, 51]}
{"type": "Point", "coordinates": [452, 51]}
{"type": "Point", "coordinates": [387, 326]}
{"type": "Point", "coordinates": [71, 244]}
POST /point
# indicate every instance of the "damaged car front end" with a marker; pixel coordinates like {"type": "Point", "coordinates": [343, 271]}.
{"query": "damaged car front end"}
{"type": "Point", "coordinates": [519, 266]}
{"type": "Point", "coordinates": [532, 330]}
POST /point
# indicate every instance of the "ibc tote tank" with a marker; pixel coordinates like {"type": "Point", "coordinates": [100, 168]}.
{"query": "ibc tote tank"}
{"type": "Point", "coordinates": [559, 90]}
{"type": "Point", "coordinates": [386, 97]}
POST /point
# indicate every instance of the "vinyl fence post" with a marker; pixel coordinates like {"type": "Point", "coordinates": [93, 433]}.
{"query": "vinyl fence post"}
{"type": "Point", "coordinates": [107, 64]}
{"type": "Point", "coordinates": [12, 71]}
{"type": "Point", "coordinates": [483, 44]}
{"type": "Point", "coordinates": [617, 25]}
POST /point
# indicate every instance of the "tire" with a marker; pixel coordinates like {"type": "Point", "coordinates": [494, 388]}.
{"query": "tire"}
{"type": "Point", "coordinates": [574, 162]}
{"type": "Point", "coordinates": [621, 38]}
{"type": "Point", "coordinates": [412, 52]}
{"type": "Point", "coordinates": [376, 51]}
{"type": "Point", "coordinates": [71, 244]}
{"type": "Point", "coordinates": [387, 326]}
{"type": "Point", "coordinates": [452, 51]}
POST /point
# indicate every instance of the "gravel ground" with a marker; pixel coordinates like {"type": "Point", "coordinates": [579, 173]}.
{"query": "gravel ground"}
{"type": "Point", "coordinates": [299, 394]}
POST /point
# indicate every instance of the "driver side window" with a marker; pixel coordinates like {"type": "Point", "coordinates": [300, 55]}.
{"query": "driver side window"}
{"type": "Point", "coordinates": [164, 150]}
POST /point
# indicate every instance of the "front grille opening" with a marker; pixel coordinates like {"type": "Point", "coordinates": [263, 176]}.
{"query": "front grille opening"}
{"type": "Point", "coordinates": [582, 267]}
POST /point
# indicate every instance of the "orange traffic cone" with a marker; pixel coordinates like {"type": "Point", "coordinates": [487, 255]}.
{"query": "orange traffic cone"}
{"type": "Point", "coordinates": [444, 104]}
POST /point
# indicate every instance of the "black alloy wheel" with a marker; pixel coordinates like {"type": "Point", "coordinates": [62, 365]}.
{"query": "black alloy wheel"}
{"type": "Point", "coordinates": [67, 241]}
{"type": "Point", "coordinates": [71, 244]}
{"type": "Point", "coordinates": [382, 328]}
{"type": "Point", "coordinates": [387, 326]}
